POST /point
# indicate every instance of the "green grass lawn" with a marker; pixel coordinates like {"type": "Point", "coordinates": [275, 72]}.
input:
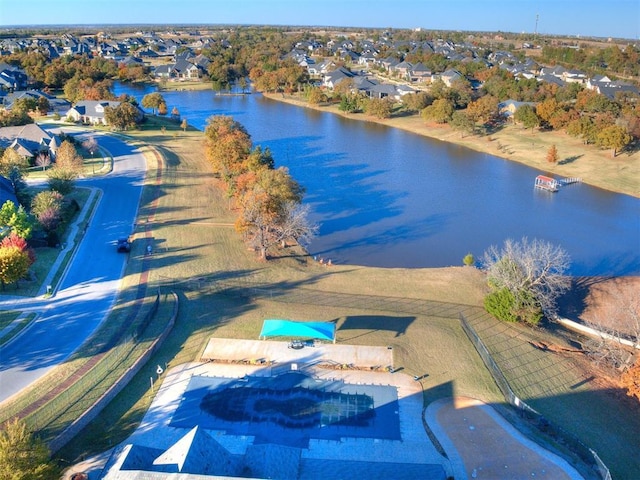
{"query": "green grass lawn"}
{"type": "Point", "coordinates": [197, 253]}
{"type": "Point", "coordinates": [7, 317]}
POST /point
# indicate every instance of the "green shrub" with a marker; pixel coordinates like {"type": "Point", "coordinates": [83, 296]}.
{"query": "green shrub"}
{"type": "Point", "coordinates": [469, 260]}
{"type": "Point", "coordinates": [501, 304]}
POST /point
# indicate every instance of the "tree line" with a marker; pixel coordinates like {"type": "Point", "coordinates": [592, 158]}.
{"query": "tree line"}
{"type": "Point", "coordinates": [268, 201]}
{"type": "Point", "coordinates": [259, 54]}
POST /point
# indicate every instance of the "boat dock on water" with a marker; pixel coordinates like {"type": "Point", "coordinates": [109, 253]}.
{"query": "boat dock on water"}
{"type": "Point", "coordinates": [546, 183]}
{"type": "Point", "coordinates": [551, 184]}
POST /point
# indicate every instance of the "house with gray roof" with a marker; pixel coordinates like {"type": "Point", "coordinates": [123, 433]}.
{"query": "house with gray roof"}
{"type": "Point", "coordinates": [401, 69]}
{"type": "Point", "coordinates": [419, 73]}
{"type": "Point", "coordinates": [384, 90]}
{"type": "Point", "coordinates": [508, 108]}
{"type": "Point", "coordinates": [92, 111]}
{"type": "Point", "coordinates": [164, 71]}
{"type": "Point", "coordinates": [12, 78]}
{"type": "Point", "coordinates": [574, 76]}
{"type": "Point", "coordinates": [29, 140]}
{"type": "Point", "coordinates": [551, 79]}
{"type": "Point", "coordinates": [612, 89]}
{"type": "Point", "coordinates": [332, 79]}
{"type": "Point", "coordinates": [449, 76]}
{"type": "Point", "coordinates": [59, 105]}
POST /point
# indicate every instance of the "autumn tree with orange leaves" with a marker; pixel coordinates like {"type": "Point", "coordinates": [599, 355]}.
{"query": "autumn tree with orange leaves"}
{"type": "Point", "coordinates": [631, 380]}
{"type": "Point", "coordinates": [267, 198]}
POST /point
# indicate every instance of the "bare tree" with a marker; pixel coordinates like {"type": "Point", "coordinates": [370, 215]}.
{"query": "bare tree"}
{"type": "Point", "coordinates": [294, 224]}
{"type": "Point", "coordinates": [532, 271]}
{"type": "Point", "coordinates": [90, 145]}
{"type": "Point", "coordinates": [43, 160]}
{"type": "Point", "coordinates": [616, 318]}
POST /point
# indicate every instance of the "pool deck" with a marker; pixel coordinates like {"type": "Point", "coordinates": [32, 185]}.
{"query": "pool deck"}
{"type": "Point", "coordinates": [477, 440]}
{"type": "Point", "coordinates": [237, 360]}
{"type": "Point", "coordinates": [272, 352]}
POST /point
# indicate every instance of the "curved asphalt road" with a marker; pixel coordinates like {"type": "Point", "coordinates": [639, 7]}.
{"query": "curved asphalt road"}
{"type": "Point", "coordinates": [89, 289]}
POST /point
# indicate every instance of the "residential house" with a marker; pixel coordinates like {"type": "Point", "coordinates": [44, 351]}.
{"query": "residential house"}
{"type": "Point", "coordinates": [327, 66]}
{"type": "Point", "coordinates": [333, 78]}
{"type": "Point", "coordinates": [201, 61]}
{"type": "Point", "coordinates": [403, 90]}
{"type": "Point", "coordinates": [574, 76]}
{"type": "Point", "coordinates": [557, 71]}
{"type": "Point", "coordinates": [384, 90]}
{"type": "Point", "coordinates": [164, 71]}
{"type": "Point", "coordinates": [388, 63]}
{"type": "Point", "coordinates": [612, 89]}
{"type": "Point", "coordinates": [184, 69]}
{"type": "Point", "coordinates": [92, 111]}
{"type": "Point", "coordinates": [29, 140]}
{"type": "Point", "coordinates": [56, 105]}
{"type": "Point", "coordinates": [450, 76]}
{"type": "Point", "coordinates": [402, 69]}
{"type": "Point", "coordinates": [131, 62]}
{"type": "Point", "coordinates": [12, 78]}
{"type": "Point", "coordinates": [597, 80]}
{"type": "Point", "coordinates": [364, 84]}
{"type": "Point", "coordinates": [367, 58]}
{"type": "Point", "coordinates": [551, 79]}
{"type": "Point", "coordinates": [508, 108]}
{"type": "Point", "coordinates": [419, 73]}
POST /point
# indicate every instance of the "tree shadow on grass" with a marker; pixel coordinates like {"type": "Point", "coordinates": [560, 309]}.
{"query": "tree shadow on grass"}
{"type": "Point", "coordinates": [574, 301]}
{"type": "Point", "coordinates": [374, 323]}
{"type": "Point", "coordinates": [568, 160]}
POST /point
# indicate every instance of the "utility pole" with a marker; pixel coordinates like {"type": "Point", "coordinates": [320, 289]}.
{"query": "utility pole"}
{"type": "Point", "coordinates": [535, 32]}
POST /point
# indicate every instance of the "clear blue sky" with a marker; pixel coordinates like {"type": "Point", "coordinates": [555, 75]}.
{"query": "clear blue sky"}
{"type": "Point", "coordinates": [603, 18]}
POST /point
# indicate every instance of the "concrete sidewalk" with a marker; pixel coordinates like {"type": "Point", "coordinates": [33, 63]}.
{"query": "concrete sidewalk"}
{"type": "Point", "coordinates": [47, 287]}
{"type": "Point", "coordinates": [274, 352]}
{"type": "Point", "coordinates": [482, 444]}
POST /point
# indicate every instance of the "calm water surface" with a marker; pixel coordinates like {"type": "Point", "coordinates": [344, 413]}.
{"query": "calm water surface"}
{"type": "Point", "coordinates": [388, 198]}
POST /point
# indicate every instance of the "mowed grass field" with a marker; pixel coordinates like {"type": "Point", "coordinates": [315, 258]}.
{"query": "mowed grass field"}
{"type": "Point", "coordinates": [198, 254]}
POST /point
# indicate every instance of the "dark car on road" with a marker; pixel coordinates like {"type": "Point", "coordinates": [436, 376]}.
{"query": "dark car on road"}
{"type": "Point", "coordinates": [124, 245]}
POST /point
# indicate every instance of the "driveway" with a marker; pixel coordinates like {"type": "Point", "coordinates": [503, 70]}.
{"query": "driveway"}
{"type": "Point", "coordinates": [90, 286]}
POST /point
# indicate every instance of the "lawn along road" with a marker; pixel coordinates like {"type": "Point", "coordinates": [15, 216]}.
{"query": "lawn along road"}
{"type": "Point", "coordinates": [89, 288]}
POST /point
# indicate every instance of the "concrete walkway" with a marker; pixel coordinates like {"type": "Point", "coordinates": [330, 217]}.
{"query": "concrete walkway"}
{"type": "Point", "coordinates": [269, 351]}
{"type": "Point", "coordinates": [482, 444]}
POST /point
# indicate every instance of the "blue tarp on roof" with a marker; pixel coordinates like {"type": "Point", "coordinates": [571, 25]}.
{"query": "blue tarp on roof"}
{"type": "Point", "coordinates": [287, 328]}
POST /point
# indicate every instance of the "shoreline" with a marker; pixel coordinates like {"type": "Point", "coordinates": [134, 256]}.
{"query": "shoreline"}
{"type": "Point", "coordinates": [594, 167]}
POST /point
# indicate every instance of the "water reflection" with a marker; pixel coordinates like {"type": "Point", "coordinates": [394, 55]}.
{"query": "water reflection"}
{"type": "Point", "coordinates": [388, 198]}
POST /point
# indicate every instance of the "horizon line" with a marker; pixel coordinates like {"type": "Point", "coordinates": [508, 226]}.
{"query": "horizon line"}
{"type": "Point", "coordinates": [194, 24]}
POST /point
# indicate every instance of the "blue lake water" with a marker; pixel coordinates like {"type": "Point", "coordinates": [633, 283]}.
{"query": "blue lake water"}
{"type": "Point", "coordinates": [388, 198]}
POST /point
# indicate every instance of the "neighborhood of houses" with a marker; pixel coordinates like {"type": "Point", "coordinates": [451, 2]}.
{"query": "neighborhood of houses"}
{"type": "Point", "coordinates": [177, 57]}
